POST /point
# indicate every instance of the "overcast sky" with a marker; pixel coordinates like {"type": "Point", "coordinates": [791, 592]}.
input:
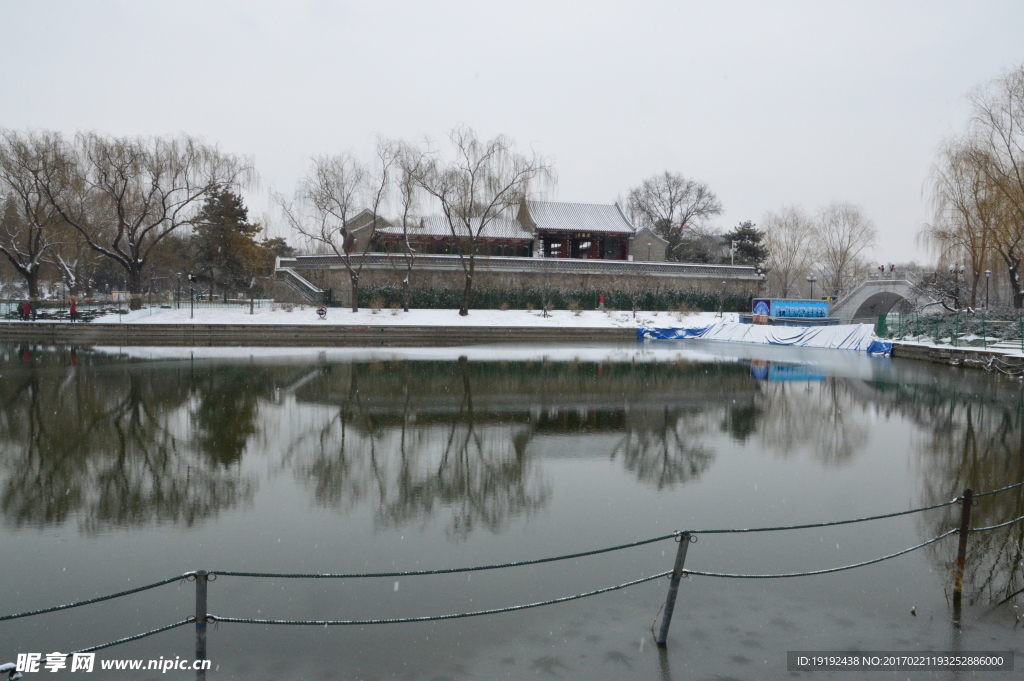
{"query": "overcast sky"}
{"type": "Point", "coordinates": [769, 103]}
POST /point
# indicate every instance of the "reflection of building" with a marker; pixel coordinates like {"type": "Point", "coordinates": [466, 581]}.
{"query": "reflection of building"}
{"type": "Point", "coordinates": [543, 229]}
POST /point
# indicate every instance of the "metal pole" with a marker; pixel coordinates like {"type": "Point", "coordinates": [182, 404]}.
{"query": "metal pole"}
{"type": "Point", "coordinates": [191, 302]}
{"type": "Point", "coordinates": [200, 622]}
{"type": "Point", "coordinates": [961, 551]}
{"type": "Point", "coordinates": [673, 588]}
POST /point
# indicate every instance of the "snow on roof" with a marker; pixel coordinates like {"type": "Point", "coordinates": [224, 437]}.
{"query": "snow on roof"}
{"type": "Point", "coordinates": [437, 226]}
{"type": "Point", "coordinates": [578, 217]}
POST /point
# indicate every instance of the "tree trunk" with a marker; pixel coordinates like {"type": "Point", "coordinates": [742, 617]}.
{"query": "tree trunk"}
{"type": "Point", "coordinates": [354, 279]}
{"type": "Point", "coordinates": [405, 288]}
{"type": "Point", "coordinates": [134, 288]}
{"type": "Point", "coordinates": [32, 283]}
{"type": "Point", "coordinates": [464, 310]}
{"type": "Point", "coordinates": [1013, 271]}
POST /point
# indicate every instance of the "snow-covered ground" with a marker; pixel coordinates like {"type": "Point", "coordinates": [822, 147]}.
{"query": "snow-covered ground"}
{"type": "Point", "coordinates": [1010, 348]}
{"type": "Point", "coordinates": [366, 317]}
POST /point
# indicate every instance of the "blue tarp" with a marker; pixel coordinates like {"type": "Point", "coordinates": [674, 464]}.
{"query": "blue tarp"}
{"type": "Point", "coordinates": [671, 334]}
{"type": "Point", "coordinates": [841, 337]}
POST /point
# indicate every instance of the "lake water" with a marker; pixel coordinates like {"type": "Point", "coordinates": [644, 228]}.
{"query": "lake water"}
{"type": "Point", "coordinates": [123, 468]}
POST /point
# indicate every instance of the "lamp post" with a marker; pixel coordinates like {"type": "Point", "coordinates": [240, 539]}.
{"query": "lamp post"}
{"type": "Point", "coordinates": [988, 275]}
{"type": "Point", "coordinates": [191, 296]}
{"type": "Point", "coordinates": [810, 280]}
{"type": "Point", "coordinates": [956, 270]}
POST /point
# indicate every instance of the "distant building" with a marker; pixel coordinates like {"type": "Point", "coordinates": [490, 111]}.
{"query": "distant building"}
{"type": "Point", "coordinates": [541, 229]}
{"type": "Point", "coordinates": [433, 236]}
{"type": "Point", "coordinates": [646, 246]}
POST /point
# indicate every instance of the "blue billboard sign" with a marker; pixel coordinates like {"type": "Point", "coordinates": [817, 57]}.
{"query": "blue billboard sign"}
{"type": "Point", "coordinates": [799, 309]}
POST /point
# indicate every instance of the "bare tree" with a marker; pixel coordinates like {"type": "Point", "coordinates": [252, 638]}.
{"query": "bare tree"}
{"type": "Point", "coordinates": [329, 208]}
{"type": "Point", "coordinates": [998, 127]}
{"type": "Point", "coordinates": [669, 204]}
{"type": "Point", "coordinates": [408, 202]}
{"type": "Point", "coordinates": [125, 195]}
{"type": "Point", "coordinates": [843, 232]}
{"type": "Point", "coordinates": [73, 258]}
{"type": "Point", "coordinates": [965, 208]}
{"type": "Point", "coordinates": [789, 237]}
{"type": "Point", "coordinates": [28, 223]}
{"type": "Point", "coordinates": [481, 183]}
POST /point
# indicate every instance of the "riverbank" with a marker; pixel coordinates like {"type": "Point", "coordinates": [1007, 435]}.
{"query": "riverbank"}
{"type": "Point", "coordinates": [283, 335]}
{"type": "Point", "coordinates": [301, 326]}
{"type": "Point", "coordinates": [969, 357]}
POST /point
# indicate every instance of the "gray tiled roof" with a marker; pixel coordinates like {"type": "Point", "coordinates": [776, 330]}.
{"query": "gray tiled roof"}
{"type": "Point", "coordinates": [437, 226]}
{"type": "Point", "coordinates": [579, 217]}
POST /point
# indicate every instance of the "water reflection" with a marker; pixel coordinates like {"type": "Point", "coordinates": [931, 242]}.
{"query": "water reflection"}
{"type": "Point", "coordinates": [107, 442]}
{"type": "Point", "coordinates": [975, 439]}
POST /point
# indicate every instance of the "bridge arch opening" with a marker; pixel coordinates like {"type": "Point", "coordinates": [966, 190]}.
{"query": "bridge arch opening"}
{"type": "Point", "coordinates": [877, 304]}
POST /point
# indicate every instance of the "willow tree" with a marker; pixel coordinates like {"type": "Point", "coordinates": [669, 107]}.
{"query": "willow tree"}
{"type": "Point", "coordinates": [337, 206]}
{"type": "Point", "coordinates": [476, 184]}
{"type": "Point", "coordinates": [790, 240]}
{"type": "Point", "coordinates": [965, 211]}
{"type": "Point", "coordinates": [998, 151]}
{"type": "Point", "coordinates": [29, 225]}
{"type": "Point", "coordinates": [842, 233]}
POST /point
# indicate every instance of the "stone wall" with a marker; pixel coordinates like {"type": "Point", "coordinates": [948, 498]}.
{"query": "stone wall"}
{"type": "Point", "coordinates": [338, 281]}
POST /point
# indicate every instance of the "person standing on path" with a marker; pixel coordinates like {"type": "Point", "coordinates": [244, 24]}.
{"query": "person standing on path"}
{"type": "Point", "coordinates": [74, 309]}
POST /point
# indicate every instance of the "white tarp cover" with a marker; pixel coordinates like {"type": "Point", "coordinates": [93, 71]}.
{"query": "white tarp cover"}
{"type": "Point", "coordinates": [841, 337]}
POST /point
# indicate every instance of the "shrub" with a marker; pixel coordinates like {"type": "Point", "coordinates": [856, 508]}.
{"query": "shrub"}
{"type": "Point", "coordinates": [535, 298]}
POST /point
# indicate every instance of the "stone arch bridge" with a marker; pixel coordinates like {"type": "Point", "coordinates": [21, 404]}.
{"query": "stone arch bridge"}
{"type": "Point", "coordinates": [871, 298]}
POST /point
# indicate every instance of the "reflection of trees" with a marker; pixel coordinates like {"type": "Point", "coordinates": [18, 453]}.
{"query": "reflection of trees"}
{"type": "Point", "coordinates": [425, 437]}
{"type": "Point", "coordinates": [820, 414]}
{"type": "Point", "coordinates": [414, 467]}
{"type": "Point", "coordinates": [974, 439]}
{"type": "Point", "coordinates": [105, 442]}
{"type": "Point", "coordinates": [666, 449]}
{"type": "Point", "coordinates": [225, 416]}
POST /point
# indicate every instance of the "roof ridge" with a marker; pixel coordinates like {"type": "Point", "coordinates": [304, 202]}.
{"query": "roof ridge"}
{"type": "Point", "coordinates": [574, 203]}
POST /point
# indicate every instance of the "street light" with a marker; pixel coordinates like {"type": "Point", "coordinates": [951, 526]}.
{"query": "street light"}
{"type": "Point", "coordinates": [810, 280]}
{"type": "Point", "coordinates": [988, 275]}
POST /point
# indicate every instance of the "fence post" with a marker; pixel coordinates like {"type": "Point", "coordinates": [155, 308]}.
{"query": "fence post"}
{"type": "Point", "coordinates": [961, 551]}
{"type": "Point", "coordinates": [673, 588]}
{"type": "Point", "coordinates": [200, 622]}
